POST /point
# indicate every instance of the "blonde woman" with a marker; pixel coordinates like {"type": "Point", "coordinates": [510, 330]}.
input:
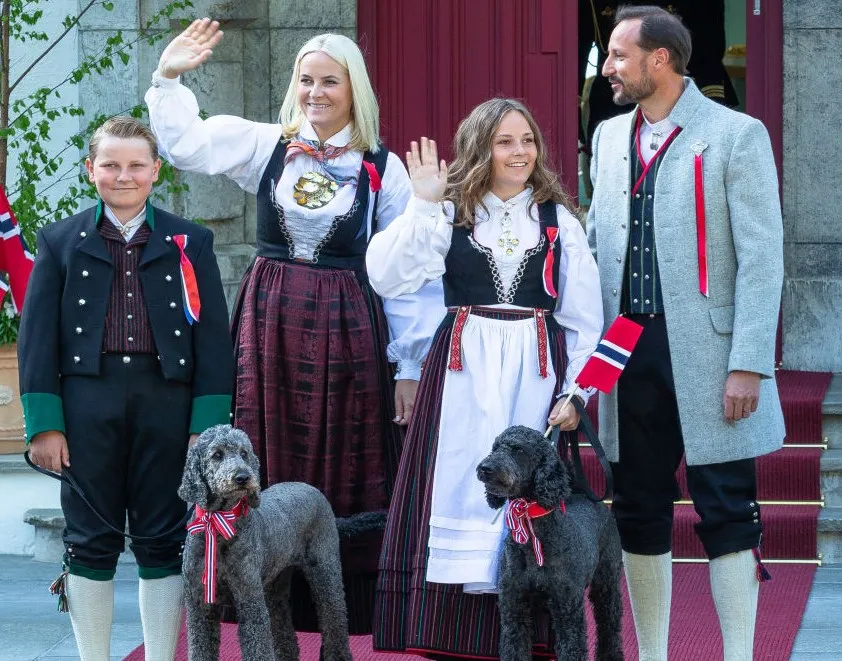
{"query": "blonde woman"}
{"type": "Point", "coordinates": [314, 390]}
{"type": "Point", "coordinates": [524, 313]}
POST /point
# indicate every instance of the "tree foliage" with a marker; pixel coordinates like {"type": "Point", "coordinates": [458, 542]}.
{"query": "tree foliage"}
{"type": "Point", "coordinates": [49, 182]}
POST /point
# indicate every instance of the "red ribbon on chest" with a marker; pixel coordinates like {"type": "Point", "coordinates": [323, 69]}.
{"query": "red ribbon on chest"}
{"type": "Point", "coordinates": [213, 524]}
{"type": "Point", "coordinates": [701, 232]}
{"type": "Point", "coordinates": [189, 284]}
{"type": "Point", "coordinates": [519, 515]}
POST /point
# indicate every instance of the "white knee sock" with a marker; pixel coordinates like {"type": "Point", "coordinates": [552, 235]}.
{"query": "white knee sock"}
{"type": "Point", "coordinates": [161, 605]}
{"type": "Point", "coordinates": [649, 579]}
{"type": "Point", "coordinates": [733, 581]}
{"type": "Point", "coordinates": [91, 605]}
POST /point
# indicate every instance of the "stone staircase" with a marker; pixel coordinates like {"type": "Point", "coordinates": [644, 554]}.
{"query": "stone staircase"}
{"type": "Point", "coordinates": [830, 518]}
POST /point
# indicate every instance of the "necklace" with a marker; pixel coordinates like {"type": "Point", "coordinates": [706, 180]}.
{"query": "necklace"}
{"type": "Point", "coordinates": [655, 140]}
{"type": "Point", "coordinates": [507, 241]}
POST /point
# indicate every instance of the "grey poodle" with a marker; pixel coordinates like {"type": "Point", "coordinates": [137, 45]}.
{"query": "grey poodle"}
{"type": "Point", "coordinates": [287, 526]}
{"type": "Point", "coordinates": [577, 543]}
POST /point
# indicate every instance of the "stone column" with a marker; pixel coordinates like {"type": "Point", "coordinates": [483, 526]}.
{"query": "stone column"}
{"type": "Point", "coordinates": [812, 194]}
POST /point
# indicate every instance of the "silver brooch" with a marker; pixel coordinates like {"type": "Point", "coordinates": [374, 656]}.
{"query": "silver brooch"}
{"type": "Point", "coordinates": [698, 147]}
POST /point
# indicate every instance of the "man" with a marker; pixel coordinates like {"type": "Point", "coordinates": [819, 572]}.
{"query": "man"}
{"type": "Point", "coordinates": [703, 276]}
{"type": "Point", "coordinates": [706, 22]}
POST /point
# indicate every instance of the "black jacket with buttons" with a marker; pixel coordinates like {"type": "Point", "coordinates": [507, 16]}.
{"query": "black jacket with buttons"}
{"type": "Point", "coordinates": [69, 289]}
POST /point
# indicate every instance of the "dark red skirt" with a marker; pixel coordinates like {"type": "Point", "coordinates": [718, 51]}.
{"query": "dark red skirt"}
{"type": "Point", "coordinates": [315, 394]}
{"type": "Point", "coordinates": [411, 614]}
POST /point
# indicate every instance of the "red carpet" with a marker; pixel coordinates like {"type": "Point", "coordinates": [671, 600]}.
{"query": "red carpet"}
{"type": "Point", "coordinates": [694, 629]}
{"type": "Point", "coordinates": [791, 474]}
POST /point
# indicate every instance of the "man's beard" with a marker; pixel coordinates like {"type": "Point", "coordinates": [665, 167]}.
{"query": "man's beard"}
{"type": "Point", "coordinates": [634, 92]}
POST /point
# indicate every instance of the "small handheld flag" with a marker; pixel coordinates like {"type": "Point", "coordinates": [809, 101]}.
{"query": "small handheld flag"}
{"type": "Point", "coordinates": [15, 258]}
{"type": "Point", "coordinates": [608, 360]}
{"type": "Point", "coordinates": [603, 368]}
{"type": "Point", "coordinates": [189, 285]}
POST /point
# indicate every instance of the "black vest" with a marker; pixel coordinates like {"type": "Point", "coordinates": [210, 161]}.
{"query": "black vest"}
{"type": "Point", "coordinates": [345, 245]}
{"type": "Point", "coordinates": [642, 280]}
{"type": "Point", "coordinates": [470, 276]}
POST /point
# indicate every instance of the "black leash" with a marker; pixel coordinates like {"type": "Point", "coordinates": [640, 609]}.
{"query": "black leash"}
{"type": "Point", "coordinates": [580, 481]}
{"type": "Point", "coordinates": [70, 481]}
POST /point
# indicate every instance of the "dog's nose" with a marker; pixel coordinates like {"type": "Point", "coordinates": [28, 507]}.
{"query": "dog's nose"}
{"type": "Point", "coordinates": [484, 473]}
{"type": "Point", "coordinates": [241, 478]}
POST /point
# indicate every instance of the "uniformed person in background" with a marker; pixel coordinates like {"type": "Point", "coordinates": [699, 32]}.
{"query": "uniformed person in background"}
{"type": "Point", "coordinates": [125, 354]}
{"type": "Point", "coordinates": [706, 22]}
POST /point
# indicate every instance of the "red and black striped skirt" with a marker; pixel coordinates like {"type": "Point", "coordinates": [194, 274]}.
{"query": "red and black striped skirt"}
{"type": "Point", "coordinates": [412, 615]}
{"type": "Point", "coordinates": [315, 394]}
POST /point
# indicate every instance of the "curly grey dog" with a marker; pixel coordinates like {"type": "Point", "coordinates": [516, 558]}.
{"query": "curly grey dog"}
{"type": "Point", "coordinates": [287, 526]}
{"type": "Point", "coordinates": [580, 547]}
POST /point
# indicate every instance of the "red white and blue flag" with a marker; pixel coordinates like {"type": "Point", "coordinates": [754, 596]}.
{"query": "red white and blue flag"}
{"type": "Point", "coordinates": [15, 258]}
{"type": "Point", "coordinates": [611, 355]}
{"type": "Point", "coordinates": [189, 285]}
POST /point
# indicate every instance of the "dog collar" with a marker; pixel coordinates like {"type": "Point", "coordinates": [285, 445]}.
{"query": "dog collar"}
{"type": "Point", "coordinates": [213, 523]}
{"type": "Point", "coordinates": [519, 515]}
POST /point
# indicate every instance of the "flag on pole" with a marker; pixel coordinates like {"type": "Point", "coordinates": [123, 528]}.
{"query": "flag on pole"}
{"type": "Point", "coordinates": [608, 360]}
{"type": "Point", "coordinates": [15, 258]}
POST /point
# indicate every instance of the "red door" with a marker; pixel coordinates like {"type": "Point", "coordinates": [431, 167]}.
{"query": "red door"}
{"type": "Point", "coordinates": [432, 61]}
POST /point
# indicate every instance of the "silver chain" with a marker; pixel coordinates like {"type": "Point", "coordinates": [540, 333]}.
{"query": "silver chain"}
{"type": "Point", "coordinates": [507, 295]}
{"type": "Point", "coordinates": [336, 222]}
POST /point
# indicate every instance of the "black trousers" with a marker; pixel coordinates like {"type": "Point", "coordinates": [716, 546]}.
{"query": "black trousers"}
{"type": "Point", "coordinates": [651, 448]}
{"type": "Point", "coordinates": [127, 432]}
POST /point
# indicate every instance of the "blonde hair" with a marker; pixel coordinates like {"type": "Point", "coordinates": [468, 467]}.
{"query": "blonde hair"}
{"type": "Point", "coordinates": [126, 128]}
{"type": "Point", "coordinates": [365, 111]}
{"type": "Point", "coordinates": [469, 176]}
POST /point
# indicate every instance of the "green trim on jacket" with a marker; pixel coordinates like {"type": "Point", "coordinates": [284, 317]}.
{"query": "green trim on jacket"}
{"type": "Point", "coordinates": [210, 410]}
{"type": "Point", "coordinates": [42, 411]}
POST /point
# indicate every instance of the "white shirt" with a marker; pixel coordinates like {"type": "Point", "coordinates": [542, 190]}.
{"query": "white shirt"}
{"type": "Point", "coordinates": [664, 128]}
{"type": "Point", "coordinates": [241, 149]}
{"type": "Point", "coordinates": [133, 224]}
{"type": "Point", "coordinates": [412, 250]}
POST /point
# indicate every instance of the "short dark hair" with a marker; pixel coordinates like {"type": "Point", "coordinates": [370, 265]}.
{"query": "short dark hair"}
{"type": "Point", "coordinates": [660, 29]}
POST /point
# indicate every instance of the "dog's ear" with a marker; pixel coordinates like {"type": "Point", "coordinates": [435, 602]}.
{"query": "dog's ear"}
{"type": "Point", "coordinates": [194, 488]}
{"type": "Point", "coordinates": [494, 501]}
{"type": "Point", "coordinates": [552, 481]}
{"type": "Point", "coordinates": [254, 464]}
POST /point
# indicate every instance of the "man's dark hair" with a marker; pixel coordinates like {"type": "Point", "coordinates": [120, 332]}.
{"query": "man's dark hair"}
{"type": "Point", "coordinates": [660, 29]}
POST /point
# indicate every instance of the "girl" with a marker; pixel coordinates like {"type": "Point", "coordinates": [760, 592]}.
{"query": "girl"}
{"type": "Point", "coordinates": [524, 313]}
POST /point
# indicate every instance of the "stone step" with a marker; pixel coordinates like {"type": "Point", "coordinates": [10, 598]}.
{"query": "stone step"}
{"type": "Point", "coordinates": [832, 413]}
{"type": "Point", "coordinates": [831, 477]}
{"type": "Point", "coordinates": [830, 535]}
{"type": "Point", "coordinates": [49, 526]}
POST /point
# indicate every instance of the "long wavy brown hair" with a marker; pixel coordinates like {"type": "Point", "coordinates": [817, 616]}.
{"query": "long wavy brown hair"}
{"type": "Point", "coordinates": [469, 176]}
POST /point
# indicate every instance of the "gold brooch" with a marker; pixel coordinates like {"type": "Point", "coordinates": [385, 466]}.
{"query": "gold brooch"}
{"type": "Point", "coordinates": [314, 190]}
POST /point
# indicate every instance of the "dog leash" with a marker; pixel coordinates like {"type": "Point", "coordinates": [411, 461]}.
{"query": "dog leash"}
{"type": "Point", "coordinates": [580, 481]}
{"type": "Point", "coordinates": [68, 479]}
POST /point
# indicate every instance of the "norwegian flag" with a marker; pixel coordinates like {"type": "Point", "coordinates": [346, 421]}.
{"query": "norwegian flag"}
{"type": "Point", "coordinates": [15, 258]}
{"type": "Point", "coordinates": [608, 360]}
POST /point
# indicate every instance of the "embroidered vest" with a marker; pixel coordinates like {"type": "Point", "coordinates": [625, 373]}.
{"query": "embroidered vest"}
{"type": "Point", "coordinates": [471, 276]}
{"type": "Point", "coordinates": [345, 243]}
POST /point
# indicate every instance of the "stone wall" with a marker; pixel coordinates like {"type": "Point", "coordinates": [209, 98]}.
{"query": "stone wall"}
{"type": "Point", "coordinates": [812, 195]}
{"type": "Point", "coordinates": [247, 76]}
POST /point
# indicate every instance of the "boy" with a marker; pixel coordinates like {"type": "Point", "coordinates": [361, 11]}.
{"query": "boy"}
{"type": "Point", "coordinates": [124, 353]}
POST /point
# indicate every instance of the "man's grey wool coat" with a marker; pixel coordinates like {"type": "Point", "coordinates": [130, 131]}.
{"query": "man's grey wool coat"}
{"type": "Point", "coordinates": [733, 328]}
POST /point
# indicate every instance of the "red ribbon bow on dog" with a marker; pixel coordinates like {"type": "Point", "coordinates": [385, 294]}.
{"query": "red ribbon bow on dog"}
{"type": "Point", "coordinates": [521, 510]}
{"type": "Point", "coordinates": [213, 523]}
